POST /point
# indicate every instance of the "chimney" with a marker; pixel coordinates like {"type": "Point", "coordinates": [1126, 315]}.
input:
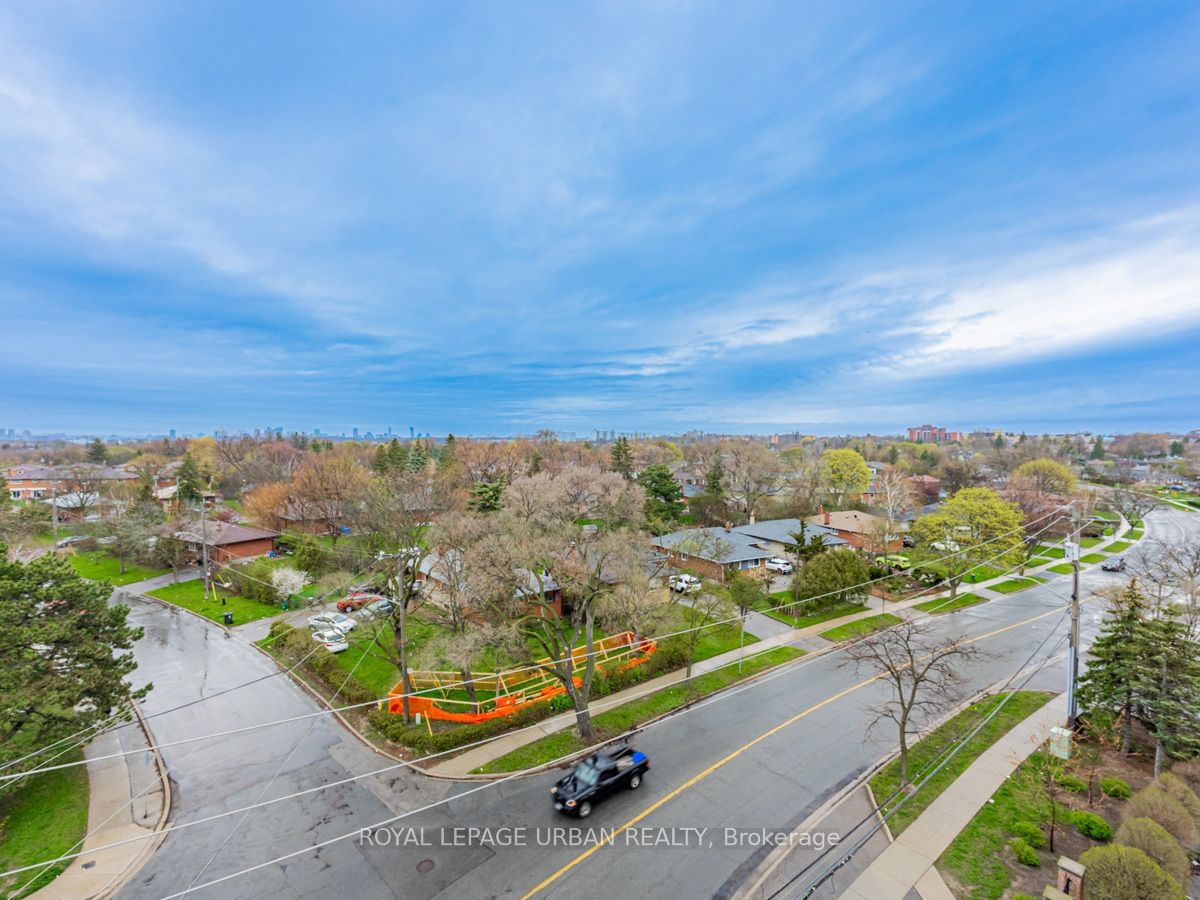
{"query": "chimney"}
{"type": "Point", "coordinates": [729, 526]}
{"type": "Point", "coordinates": [826, 518]}
{"type": "Point", "coordinates": [751, 517]}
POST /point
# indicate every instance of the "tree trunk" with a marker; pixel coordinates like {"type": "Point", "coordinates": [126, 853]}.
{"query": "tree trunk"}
{"type": "Point", "coordinates": [469, 684]}
{"type": "Point", "coordinates": [400, 638]}
{"type": "Point", "coordinates": [1053, 821]}
{"type": "Point", "coordinates": [1127, 728]}
{"type": "Point", "coordinates": [1159, 755]}
{"type": "Point", "coordinates": [954, 587]}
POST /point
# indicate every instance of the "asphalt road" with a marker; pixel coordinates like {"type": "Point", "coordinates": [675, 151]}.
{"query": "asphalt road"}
{"type": "Point", "coordinates": [761, 758]}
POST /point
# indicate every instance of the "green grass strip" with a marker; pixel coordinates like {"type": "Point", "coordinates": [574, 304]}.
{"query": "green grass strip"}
{"type": "Point", "coordinates": [860, 627]}
{"type": "Point", "coordinates": [1063, 569]}
{"type": "Point", "coordinates": [937, 607]}
{"type": "Point", "coordinates": [1017, 584]}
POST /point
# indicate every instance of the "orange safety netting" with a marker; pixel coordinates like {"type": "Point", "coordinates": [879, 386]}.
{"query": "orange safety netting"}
{"type": "Point", "coordinates": [618, 650]}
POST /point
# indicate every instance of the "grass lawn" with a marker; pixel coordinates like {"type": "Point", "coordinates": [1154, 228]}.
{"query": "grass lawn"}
{"type": "Point", "coordinates": [1051, 552]}
{"type": "Point", "coordinates": [1093, 558]}
{"type": "Point", "coordinates": [1118, 547]}
{"type": "Point", "coordinates": [825, 615]}
{"type": "Point", "coordinates": [1062, 569]}
{"type": "Point", "coordinates": [1089, 541]}
{"type": "Point", "coordinates": [42, 820]}
{"type": "Point", "coordinates": [1017, 584]}
{"type": "Point", "coordinates": [937, 607]}
{"type": "Point", "coordinates": [628, 715]}
{"type": "Point", "coordinates": [861, 627]}
{"type": "Point", "coordinates": [983, 573]}
{"type": "Point", "coordinates": [929, 748]}
{"type": "Point", "coordinates": [1135, 534]}
{"type": "Point", "coordinates": [190, 595]}
{"type": "Point", "coordinates": [99, 566]}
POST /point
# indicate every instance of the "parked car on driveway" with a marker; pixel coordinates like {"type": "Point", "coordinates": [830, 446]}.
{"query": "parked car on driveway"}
{"type": "Point", "coordinates": [780, 565]}
{"type": "Point", "coordinates": [357, 600]}
{"type": "Point", "coordinates": [597, 777]}
{"type": "Point", "coordinates": [332, 621]}
{"type": "Point", "coordinates": [684, 584]}
{"type": "Point", "coordinates": [1113, 564]}
{"type": "Point", "coordinates": [378, 609]}
{"type": "Point", "coordinates": [334, 640]}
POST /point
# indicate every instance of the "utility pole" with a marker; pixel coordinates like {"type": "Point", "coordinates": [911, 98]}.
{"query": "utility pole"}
{"type": "Point", "coordinates": [1072, 548]}
{"type": "Point", "coordinates": [204, 545]}
{"type": "Point", "coordinates": [54, 507]}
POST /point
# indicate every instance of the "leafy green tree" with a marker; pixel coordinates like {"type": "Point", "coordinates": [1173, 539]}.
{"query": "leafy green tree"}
{"type": "Point", "coordinates": [190, 484]}
{"type": "Point", "coordinates": [664, 496]}
{"type": "Point", "coordinates": [1116, 872]}
{"type": "Point", "coordinates": [1111, 679]}
{"type": "Point", "coordinates": [65, 665]}
{"type": "Point", "coordinates": [831, 577]}
{"type": "Point", "coordinates": [311, 556]}
{"type": "Point", "coordinates": [621, 457]}
{"type": "Point", "coordinates": [1098, 448]}
{"type": "Point", "coordinates": [972, 528]}
{"type": "Point", "coordinates": [1047, 475]}
{"type": "Point", "coordinates": [97, 452]}
{"type": "Point", "coordinates": [845, 474]}
{"type": "Point", "coordinates": [1168, 685]}
{"type": "Point", "coordinates": [381, 464]}
{"type": "Point", "coordinates": [804, 545]}
{"type": "Point", "coordinates": [132, 534]}
{"type": "Point", "coordinates": [1176, 448]}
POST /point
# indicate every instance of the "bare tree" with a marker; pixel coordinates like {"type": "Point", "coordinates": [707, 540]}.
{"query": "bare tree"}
{"type": "Point", "coordinates": [329, 485]}
{"type": "Point", "coordinates": [922, 670]}
{"type": "Point", "coordinates": [752, 471]}
{"type": "Point", "coordinates": [1134, 505]}
{"type": "Point", "coordinates": [894, 496]}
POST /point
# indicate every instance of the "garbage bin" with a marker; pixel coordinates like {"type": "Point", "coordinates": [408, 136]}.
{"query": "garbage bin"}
{"type": "Point", "coordinates": [228, 618]}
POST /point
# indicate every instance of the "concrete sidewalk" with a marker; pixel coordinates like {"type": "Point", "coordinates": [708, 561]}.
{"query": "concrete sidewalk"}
{"type": "Point", "coordinates": [908, 863]}
{"type": "Point", "coordinates": [127, 798]}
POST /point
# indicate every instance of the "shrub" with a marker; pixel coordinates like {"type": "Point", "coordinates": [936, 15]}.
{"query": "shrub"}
{"type": "Point", "coordinates": [1025, 854]}
{"type": "Point", "coordinates": [1115, 788]}
{"type": "Point", "coordinates": [1093, 826]}
{"type": "Point", "coordinates": [1154, 803]}
{"type": "Point", "coordinates": [1030, 833]}
{"type": "Point", "coordinates": [418, 738]}
{"type": "Point", "coordinates": [1117, 872]}
{"type": "Point", "coordinates": [1178, 788]}
{"type": "Point", "coordinates": [1071, 783]}
{"type": "Point", "coordinates": [1156, 842]}
{"type": "Point", "coordinates": [1189, 771]}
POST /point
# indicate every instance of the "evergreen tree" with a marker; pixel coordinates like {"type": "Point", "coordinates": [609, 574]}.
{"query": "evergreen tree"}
{"type": "Point", "coordinates": [382, 463]}
{"type": "Point", "coordinates": [446, 456]}
{"type": "Point", "coordinates": [1111, 680]}
{"type": "Point", "coordinates": [622, 457]}
{"type": "Point", "coordinates": [535, 463]}
{"type": "Point", "coordinates": [97, 452]}
{"type": "Point", "coordinates": [1098, 448]}
{"type": "Point", "coordinates": [190, 486]}
{"type": "Point", "coordinates": [398, 456]}
{"type": "Point", "coordinates": [418, 457]}
{"type": "Point", "coordinates": [714, 480]}
{"type": "Point", "coordinates": [664, 496]}
{"type": "Point", "coordinates": [78, 681]}
{"type": "Point", "coordinates": [1168, 686]}
{"type": "Point", "coordinates": [486, 496]}
{"type": "Point", "coordinates": [998, 443]}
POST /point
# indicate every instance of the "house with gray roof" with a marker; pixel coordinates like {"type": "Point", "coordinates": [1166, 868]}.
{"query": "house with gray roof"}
{"type": "Point", "coordinates": [715, 552]}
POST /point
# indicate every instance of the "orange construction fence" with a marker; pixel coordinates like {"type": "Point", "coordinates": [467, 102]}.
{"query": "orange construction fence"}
{"type": "Point", "coordinates": [619, 649]}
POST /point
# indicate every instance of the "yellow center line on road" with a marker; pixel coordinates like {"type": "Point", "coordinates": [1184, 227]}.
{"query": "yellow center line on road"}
{"type": "Point", "coordinates": [697, 778]}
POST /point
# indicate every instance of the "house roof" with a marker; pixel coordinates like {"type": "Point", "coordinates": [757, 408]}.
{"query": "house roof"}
{"type": "Point", "coordinates": [781, 530]}
{"type": "Point", "coordinates": [221, 533]}
{"type": "Point", "coordinates": [714, 544]}
{"type": "Point", "coordinates": [849, 520]}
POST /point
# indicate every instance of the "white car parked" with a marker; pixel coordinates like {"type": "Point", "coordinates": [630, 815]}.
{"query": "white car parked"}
{"type": "Point", "coordinates": [780, 565]}
{"type": "Point", "coordinates": [334, 640]}
{"type": "Point", "coordinates": [332, 621]}
{"type": "Point", "coordinates": [684, 584]}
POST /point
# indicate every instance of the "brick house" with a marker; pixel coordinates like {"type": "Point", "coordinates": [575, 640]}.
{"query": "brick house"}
{"type": "Point", "coordinates": [860, 530]}
{"type": "Point", "coordinates": [227, 541]}
{"type": "Point", "coordinates": [716, 552]}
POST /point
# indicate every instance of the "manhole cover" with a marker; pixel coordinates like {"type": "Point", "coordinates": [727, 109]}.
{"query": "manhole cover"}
{"type": "Point", "coordinates": [425, 865]}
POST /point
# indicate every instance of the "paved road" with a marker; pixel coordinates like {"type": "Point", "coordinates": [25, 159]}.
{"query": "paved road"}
{"type": "Point", "coordinates": [706, 774]}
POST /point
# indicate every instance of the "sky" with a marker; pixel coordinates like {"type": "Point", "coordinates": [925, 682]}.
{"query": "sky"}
{"type": "Point", "coordinates": [495, 218]}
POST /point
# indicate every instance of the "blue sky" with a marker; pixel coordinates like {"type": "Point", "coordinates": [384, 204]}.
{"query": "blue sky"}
{"type": "Point", "coordinates": [492, 218]}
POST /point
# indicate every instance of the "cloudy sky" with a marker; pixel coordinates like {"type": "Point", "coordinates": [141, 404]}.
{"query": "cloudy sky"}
{"type": "Point", "coordinates": [492, 218]}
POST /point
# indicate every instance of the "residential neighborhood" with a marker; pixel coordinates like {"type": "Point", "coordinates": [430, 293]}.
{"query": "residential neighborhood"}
{"type": "Point", "coordinates": [735, 451]}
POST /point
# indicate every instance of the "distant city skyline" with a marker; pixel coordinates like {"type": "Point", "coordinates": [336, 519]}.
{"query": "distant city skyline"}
{"type": "Point", "coordinates": [495, 219]}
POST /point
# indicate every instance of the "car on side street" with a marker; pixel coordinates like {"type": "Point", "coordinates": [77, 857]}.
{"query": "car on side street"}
{"type": "Point", "coordinates": [780, 565]}
{"type": "Point", "coordinates": [684, 584]}
{"type": "Point", "coordinates": [596, 777]}
{"type": "Point", "coordinates": [332, 621]}
{"type": "Point", "coordinates": [334, 640]}
{"type": "Point", "coordinates": [1113, 564]}
{"type": "Point", "coordinates": [71, 540]}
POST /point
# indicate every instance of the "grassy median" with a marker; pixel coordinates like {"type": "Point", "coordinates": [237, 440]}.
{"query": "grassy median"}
{"type": "Point", "coordinates": [942, 605]}
{"type": "Point", "coordinates": [44, 818]}
{"type": "Point", "coordinates": [928, 751]}
{"type": "Point", "coordinates": [860, 627]}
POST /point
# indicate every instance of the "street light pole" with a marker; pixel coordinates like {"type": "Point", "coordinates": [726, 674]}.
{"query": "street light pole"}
{"type": "Point", "coordinates": [1073, 554]}
{"type": "Point", "coordinates": [204, 545]}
